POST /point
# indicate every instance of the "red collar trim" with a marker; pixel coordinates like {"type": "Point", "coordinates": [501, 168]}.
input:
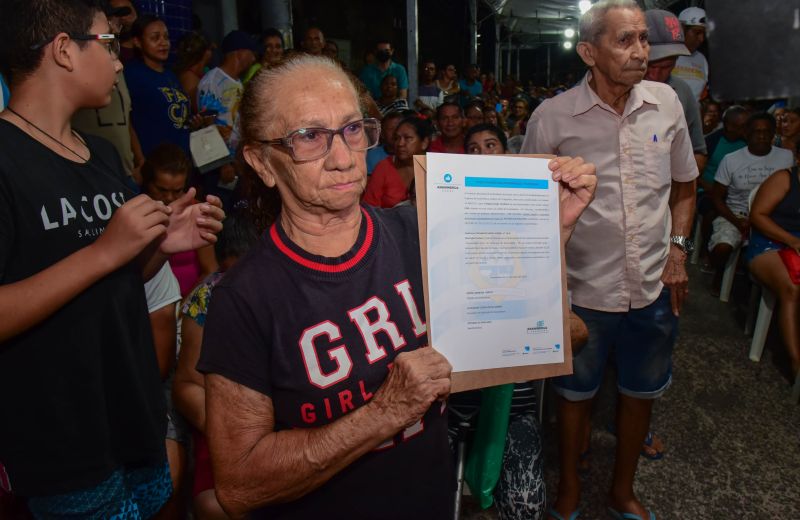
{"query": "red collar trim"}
{"type": "Point", "coordinates": [318, 266]}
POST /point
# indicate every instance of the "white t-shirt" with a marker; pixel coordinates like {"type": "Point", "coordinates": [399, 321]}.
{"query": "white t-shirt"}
{"type": "Point", "coordinates": [742, 172]}
{"type": "Point", "coordinates": [220, 92]}
{"type": "Point", "coordinates": [694, 71]}
{"type": "Point", "coordinates": [162, 289]}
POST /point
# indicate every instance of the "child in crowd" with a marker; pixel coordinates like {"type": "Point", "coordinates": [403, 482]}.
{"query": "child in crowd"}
{"type": "Point", "coordinates": [84, 435]}
{"type": "Point", "coordinates": [165, 174]}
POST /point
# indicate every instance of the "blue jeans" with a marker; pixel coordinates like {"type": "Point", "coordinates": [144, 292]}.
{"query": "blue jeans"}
{"type": "Point", "coordinates": [641, 341]}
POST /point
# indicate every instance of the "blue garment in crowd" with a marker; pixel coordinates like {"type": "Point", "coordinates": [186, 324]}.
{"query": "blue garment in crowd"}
{"type": "Point", "coordinates": [4, 93]}
{"type": "Point", "coordinates": [160, 108]}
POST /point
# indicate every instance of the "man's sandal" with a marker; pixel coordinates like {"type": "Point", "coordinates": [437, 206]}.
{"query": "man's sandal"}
{"type": "Point", "coordinates": [648, 443]}
{"type": "Point", "coordinates": [629, 516]}
{"type": "Point", "coordinates": [552, 513]}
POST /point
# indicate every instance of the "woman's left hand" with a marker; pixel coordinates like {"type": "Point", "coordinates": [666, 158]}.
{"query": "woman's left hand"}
{"type": "Point", "coordinates": [578, 183]}
{"type": "Point", "coordinates": [191, 225]}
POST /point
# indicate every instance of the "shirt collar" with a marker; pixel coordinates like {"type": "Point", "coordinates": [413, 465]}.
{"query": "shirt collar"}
{"type": "Point", "coordinates": [587, 98]}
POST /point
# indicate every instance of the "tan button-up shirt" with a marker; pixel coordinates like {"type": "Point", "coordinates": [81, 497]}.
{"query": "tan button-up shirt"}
{"type": "Point", "coordinates": [619, 248]}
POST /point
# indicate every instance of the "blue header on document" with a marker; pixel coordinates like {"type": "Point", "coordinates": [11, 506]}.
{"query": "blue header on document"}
{"type": "Point", "coordinates": [494, 182]}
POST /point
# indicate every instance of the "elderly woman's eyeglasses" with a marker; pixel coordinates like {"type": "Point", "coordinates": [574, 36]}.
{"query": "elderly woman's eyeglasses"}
{"type": "Point", "coordinates": [308, 144]}
{"type": "Point", "coordinates": [112, 39]}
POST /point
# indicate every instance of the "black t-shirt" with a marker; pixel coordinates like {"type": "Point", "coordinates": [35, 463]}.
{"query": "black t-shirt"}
{"type": "Point", "coordinates": [81, 390]}
{"type": "Point", "coordinates": [316, 335]}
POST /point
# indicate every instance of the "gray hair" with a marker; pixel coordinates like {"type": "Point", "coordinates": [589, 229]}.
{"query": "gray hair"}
{"type": "Point", "coordinates": [733, 112]}
{"type": "Point", "coordinates": [592, 24]}
{"type": "Point", "coordinates": [260, 108]}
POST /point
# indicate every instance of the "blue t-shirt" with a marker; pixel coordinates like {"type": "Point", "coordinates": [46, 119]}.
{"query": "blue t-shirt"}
{"type": "Point", "coordinates": [4, 93]}
{"type": "Point", "coordinates": [160, 108]}
{"type": "Point", "coordinates": [374, 156]}
{"type": "Point", "coordinates": [468, 92]}
{"type": "Point", "coordinates": [372, 76]}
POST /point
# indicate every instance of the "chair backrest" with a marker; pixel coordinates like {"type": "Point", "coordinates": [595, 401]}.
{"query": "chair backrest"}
{"type": "Point", "coordinates": [751, 198]}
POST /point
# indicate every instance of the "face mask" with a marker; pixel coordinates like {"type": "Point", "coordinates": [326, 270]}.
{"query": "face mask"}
{"type": "Point", "coordinates": [383, 56]}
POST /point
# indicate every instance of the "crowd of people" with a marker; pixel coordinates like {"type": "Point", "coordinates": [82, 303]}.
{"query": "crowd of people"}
{"type": "Point", "coordinates": [302, 389]}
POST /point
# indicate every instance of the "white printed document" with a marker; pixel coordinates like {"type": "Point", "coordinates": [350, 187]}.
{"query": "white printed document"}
{"type": "Point", "coordinates": [494, 266]}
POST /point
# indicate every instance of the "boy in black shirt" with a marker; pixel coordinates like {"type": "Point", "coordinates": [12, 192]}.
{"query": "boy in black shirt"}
{"type": "Point", "coordinates": [83, 414]}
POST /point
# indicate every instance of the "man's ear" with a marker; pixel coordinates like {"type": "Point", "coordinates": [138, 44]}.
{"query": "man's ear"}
{"type": "Point", "coordinates": [62, 51]}
{"type": "Point", "coordinates": [254, 157]}
{"type": "Point", "coordinates": [586, 52]}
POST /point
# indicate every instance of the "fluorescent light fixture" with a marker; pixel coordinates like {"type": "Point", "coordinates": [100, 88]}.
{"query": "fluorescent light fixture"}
{"type": "Point", "coordinates": [567, 45]}
{"type": "Point", "coordinates": [569, 32]}
{"type": "Point", "coordinates": [584, 5]}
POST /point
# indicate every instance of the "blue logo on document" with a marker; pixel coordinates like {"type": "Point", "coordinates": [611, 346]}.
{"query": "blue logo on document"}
{"type": "Point", "coordinates": [448, 177]}
{"type": "Point", "coordinates": [540, 324]}
{"type": "Point", "coordinates": [557, 347]}
{"type": "Point", "coordinates": [527, 348]}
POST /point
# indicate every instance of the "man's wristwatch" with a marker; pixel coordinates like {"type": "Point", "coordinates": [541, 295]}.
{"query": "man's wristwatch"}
{"type": "Point", "coordinates": [683, 242]}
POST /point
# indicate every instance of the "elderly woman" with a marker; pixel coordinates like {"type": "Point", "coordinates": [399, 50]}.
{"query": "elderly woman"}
{"type": "Point", "coordinates": [321, 401]}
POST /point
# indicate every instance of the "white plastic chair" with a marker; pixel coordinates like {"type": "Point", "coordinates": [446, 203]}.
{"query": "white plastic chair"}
{"type": "Point", "coordinates": [765, 310]}
{"type": "Point", "coordinates": [730, 267]}
{"type": "Point", "coordinates": [728, 275]}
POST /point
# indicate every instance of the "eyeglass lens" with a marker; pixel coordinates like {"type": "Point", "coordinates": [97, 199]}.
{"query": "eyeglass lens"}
{"type": "Point", "coordinates": [312, 143]}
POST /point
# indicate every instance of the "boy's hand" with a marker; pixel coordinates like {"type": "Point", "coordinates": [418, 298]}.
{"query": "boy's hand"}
{"type": "Point", "coordinates": [134, 225]}
{"type": "Point", "coordinates": [191, 225]}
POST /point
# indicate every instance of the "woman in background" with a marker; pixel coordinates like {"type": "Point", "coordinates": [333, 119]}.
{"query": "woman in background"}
{"type": "Point", "coordinates": [161, 108]}
{"type": "Point", "coordinates": [389, 184]}
{"type": "Point", "coordinates": [775, 220]}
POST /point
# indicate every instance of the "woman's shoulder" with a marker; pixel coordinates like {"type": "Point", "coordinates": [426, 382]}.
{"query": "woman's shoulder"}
{"type": "Point", "coordinates": [777, 184]}
{"type": "Point", "coordinates": [384, 166]}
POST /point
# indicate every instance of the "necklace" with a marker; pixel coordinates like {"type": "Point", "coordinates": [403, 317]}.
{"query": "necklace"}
{"type": "Point", "coordinates": [79, 156]}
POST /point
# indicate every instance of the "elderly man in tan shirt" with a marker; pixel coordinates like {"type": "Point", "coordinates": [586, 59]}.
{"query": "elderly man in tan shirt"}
{"type": "Point", "coordinates": [625, 260]}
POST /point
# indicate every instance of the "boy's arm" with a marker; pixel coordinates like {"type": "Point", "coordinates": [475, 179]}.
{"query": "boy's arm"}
{"type": "Point", "coordinates": [28, 302]}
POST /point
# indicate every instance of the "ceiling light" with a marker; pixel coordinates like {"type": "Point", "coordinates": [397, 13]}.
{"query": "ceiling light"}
{"type": "Point", "coordinates": [584, 5]}
{"type": "Point", "coordinates": [569, 32]}
{"type": "Point", "coordinates": [567, 45]}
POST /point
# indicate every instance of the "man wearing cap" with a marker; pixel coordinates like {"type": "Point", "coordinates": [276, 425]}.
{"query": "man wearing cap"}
{"type": "Point", "coordinates": [693, 69]}
{"type": "Point", "coordinates": [626, 258]}
{"type": "Point", "coordinates": [221, 90]}
{"type": "Point", "coordinates": [125, 12]}
{"type": "Point", "coordinates": [666, 40]}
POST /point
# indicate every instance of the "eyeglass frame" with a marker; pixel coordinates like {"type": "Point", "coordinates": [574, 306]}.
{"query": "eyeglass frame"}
{"type": "Point", "coordinates": [101, 37]}
{"type": "Point", "coordinates": [286, 141]}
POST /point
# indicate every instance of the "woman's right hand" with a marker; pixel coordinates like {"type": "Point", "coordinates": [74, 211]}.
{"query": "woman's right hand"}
{"type": "Point", "coordinates": [416, 379]}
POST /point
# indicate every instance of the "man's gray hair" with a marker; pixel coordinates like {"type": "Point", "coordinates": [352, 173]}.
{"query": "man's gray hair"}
{"type": "Point", "coordinates": [593, 22]}
{"type": "Point", "coordinates": [732, 112]}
